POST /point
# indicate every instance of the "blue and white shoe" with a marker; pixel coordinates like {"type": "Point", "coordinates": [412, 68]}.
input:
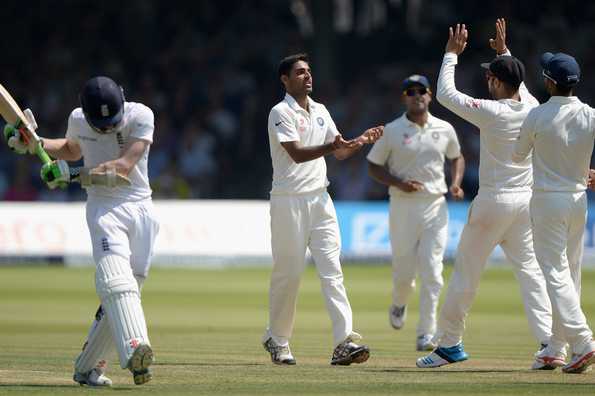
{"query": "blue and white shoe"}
{"type": "Point", "coordinates": [442, 356]}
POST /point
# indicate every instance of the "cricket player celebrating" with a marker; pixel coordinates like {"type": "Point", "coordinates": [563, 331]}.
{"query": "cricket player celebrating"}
{"type": "Point", "coordinates": [301, 133]}
{"type": "Point", "coordinates": [560, 134]}
{"type": "Point", "coordinates": [414, 147]}
{"type": "Point", "coordinates": [111, 135]}
{"type": "Point", "coordinates": [499, 214]}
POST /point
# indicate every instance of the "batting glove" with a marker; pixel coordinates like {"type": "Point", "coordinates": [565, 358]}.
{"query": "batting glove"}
{"type": "Point", "coordinates": [56, 174]}
{"type": "Point", "coordinates": [14, 137]}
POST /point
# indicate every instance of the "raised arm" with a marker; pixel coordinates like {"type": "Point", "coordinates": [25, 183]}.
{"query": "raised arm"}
{"type": "Point", "coordinates": [498, 44]}
{"type": "Point", "coordinates": [476, 111]}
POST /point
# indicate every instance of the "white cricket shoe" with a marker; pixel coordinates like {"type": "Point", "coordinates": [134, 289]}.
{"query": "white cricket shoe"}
{"type": "Point", "coordinates": [280, 354]}
{"type": "Point", "coordinates": [139, 363]}
{"type": "Point", "coordinates": [397, 316]}
{"type": "Point", "coordinates": [580, 362]}
{"type": "Point", "coordinates": [425, 342]}
{"type": "Point", "coordinates": [92, 378]}
{"type": "Point", "coordinates": [548, 359]}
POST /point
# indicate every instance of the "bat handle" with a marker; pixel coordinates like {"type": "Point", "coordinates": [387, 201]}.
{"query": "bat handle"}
{"type": "Point", "coordinates": [43, 156]}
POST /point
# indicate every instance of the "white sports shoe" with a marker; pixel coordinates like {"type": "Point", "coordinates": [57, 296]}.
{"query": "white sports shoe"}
{"type": "Point", "coordinates": [397, 316]}
{"type": "Point", "coordinates": [548, 359]}
{"type": "Point", "coordinates": [442, 356]}
{"type": "Point", "coordinates": [279, 354]}
{"type": "Point", "coordinates": [425, 342]}
{"type": "Point", "coordinates": [92, 378]}
{"type": "Point", "coordinates": [580, 362]}
{"type": "Point", "coordinates": [139, 363]}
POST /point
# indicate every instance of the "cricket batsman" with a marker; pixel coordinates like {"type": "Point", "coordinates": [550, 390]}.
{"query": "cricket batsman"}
{"type": "Point", "coordinates": [112, 135]}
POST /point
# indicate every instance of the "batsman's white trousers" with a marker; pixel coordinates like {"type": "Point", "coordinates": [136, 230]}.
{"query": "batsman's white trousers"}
{"type": "Point", "coordinates": [559, 220]}
{"type": "Point", "coordinates": [299, 222]}
{"type": "Point", "coordinates": [127, 229]}
{"type": "Point", "coordinates": [495, 219]}
{"type": "Point", "coordinates": [418, 233]}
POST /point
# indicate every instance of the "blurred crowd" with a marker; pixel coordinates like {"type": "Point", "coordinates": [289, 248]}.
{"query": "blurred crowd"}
{"type": "Point", "coordinates": [209, 72]}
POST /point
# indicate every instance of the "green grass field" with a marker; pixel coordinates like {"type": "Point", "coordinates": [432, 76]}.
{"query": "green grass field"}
{"type": "Point", "coordinates": [205, 327]}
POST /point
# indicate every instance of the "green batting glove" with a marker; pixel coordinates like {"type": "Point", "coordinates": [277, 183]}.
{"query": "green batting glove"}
{"type": "Point", "coordinates": [56, 174]}
{"type": "Point", "coordinates": [14, 140]}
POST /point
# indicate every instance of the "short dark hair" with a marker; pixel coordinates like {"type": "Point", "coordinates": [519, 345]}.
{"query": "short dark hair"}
{"type": "Point", "coordinates": [287, 63]}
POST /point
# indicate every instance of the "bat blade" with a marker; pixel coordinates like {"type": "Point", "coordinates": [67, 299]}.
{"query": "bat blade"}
{"type": "Point", "coordinates": [12, 113]}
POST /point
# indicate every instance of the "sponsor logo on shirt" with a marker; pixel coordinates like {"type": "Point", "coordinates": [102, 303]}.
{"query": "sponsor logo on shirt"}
{"type": "Point", "coordinates": [473, 103]}
{"type": "Point", "coordinates": [82, 137]}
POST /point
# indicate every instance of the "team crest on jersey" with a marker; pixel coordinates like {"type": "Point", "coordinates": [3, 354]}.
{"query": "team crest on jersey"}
{"type": "Point", "coordinates": [406, 138]}
{"type": "Point", "coordinates": [320, 121]}
{"type": "Point", "coordinates": [435, 135]}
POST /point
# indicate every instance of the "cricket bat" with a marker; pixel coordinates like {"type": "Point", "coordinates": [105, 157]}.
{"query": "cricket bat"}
{"type": "Point", "coordinates": [12, 113]}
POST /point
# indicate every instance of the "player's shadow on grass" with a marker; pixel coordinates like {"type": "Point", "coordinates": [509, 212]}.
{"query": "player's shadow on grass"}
{"type": "Point", "coordinates": [208, 364]}
{"type": "Point", "coordinates": [73, 386]}
{"type": "Point", "coordinates": [417, 370]}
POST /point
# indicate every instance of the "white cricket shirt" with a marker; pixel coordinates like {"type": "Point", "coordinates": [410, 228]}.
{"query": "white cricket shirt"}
{"type": "Point", "coordinates": [416, 153]}
{"type": "Point", "coordinates": [138, 122]}
{"type": "Point", "coordinates": [561, 134]}
{"type": "Point", "coordinates": [499, 123]}
{"type": "Point", "coordinates": [289, 122]}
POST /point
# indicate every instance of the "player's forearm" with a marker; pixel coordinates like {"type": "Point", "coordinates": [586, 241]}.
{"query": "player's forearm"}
{"type": "Point", "coordinates": [457, 170]}
{"type": "Point", "coordinates": [60, 149]}
{"type": "Point", "coordinates": [122, 166]}
{"type": "Point", "coordinates": [344, 153]}
{"type": "Point", "coordinates": [382, 175]}
{"type": "Point", "coordinates": [305, 154]}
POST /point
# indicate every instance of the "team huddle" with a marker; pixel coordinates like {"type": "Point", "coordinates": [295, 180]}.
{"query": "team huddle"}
{"type": "Point", "coordinates": [533, 176]}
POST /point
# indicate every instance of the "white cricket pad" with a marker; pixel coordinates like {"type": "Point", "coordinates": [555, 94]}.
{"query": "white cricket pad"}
{"type": "Point", "coordinates": [120, 298]}
{"type": "Point", "coordinates": [97, 346]}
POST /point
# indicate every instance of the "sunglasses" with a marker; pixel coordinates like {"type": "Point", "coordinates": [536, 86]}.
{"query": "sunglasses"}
{"type": "Point", "coordinates": [414, 91]}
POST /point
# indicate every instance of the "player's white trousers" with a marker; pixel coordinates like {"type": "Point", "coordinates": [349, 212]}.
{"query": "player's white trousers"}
{"type": "Point", "coordinates": [299, 222]}
{"type": "Point", "coordinates": [495, 219]}
{"type": "Point", "coordinates": [559, 220]}
{"type": "Point", "coordinates": [418, 233]}
{"type": "Point", "coordinates": [127, 230]}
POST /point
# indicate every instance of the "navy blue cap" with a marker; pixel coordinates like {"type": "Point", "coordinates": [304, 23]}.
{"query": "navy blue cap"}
{"type": "Point", "coordinates": [102, 101]}
{"type": "Point", "coordinates": [507, 69]}
{"type": "Point", "coordinates": [562, 68]}
{"type": "Point", "coordinates": [415, 79]}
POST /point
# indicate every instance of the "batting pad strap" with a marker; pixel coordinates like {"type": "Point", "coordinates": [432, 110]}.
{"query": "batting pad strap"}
{"type": "Point", "coordinates": [120, 298]}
